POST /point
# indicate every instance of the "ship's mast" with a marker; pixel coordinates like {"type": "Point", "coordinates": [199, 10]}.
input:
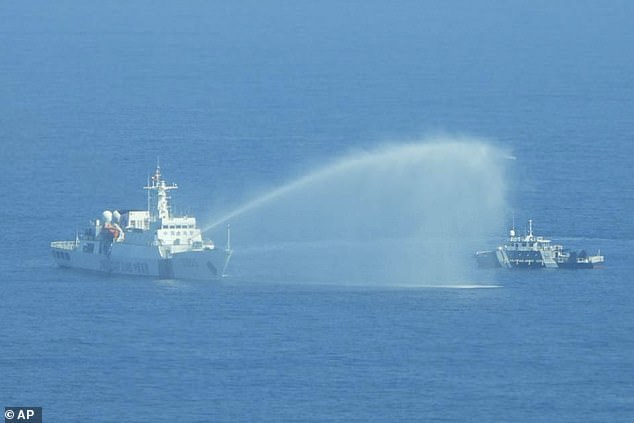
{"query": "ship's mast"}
{"type": "Point", "coordinates": [530, 228]}
{"type": "Point", "coordinates": [160, 187]}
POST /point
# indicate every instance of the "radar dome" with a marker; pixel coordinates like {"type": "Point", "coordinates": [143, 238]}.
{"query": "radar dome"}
{"type": "Point", "coordinates": [107, 216]}
{"type": "Point", "coordinates": [116, 216]}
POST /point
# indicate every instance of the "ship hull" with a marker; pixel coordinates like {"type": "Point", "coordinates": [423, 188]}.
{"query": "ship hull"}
{"type": "Point", "coordinates": [195, 265]}
{"type": "Point", "coordinates": [576, 265]}
{"type": "Point", "coordinates": [531, 260]}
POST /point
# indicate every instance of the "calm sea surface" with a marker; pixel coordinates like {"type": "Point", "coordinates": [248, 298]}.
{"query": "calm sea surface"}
{"type": "Point", "coordinates": [239, 97]}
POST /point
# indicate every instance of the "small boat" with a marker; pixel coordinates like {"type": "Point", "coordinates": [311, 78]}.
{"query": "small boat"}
{"type": "Point", "coordinates": [152, 242]}
{"type": "Point", "coordinates": [535, 252]}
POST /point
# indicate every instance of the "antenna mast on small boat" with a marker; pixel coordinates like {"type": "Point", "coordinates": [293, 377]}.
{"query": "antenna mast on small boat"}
{"type": "Point", "coordinates": [148, 194]}
{"type": "Point", "coordinates": [530, 227]}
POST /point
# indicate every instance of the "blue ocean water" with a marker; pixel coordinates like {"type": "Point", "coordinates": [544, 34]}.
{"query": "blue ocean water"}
{"type": "Point", "coordinates": [236, 98]}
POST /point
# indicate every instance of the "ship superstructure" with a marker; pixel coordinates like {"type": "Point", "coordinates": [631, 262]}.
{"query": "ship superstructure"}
{"type": "Point", "coordinates": [151, 242]}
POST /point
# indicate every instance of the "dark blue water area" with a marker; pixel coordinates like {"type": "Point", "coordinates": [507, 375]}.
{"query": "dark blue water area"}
{"type": "Point", "coordinates": [530, 346]}
{"type": "Point", "coordinates": [236, 98]}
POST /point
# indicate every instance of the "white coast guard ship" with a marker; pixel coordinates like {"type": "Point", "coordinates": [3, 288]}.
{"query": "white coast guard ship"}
{"type": "Point", "coordinates": [150, 242]}
{"type": "Point", "coordinates": [535, 252]}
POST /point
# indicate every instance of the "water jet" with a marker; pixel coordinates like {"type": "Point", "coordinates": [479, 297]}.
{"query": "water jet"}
{"type": "Point", "coordinates": [401, 213]}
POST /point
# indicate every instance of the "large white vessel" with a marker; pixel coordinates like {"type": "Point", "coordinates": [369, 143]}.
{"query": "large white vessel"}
{"type": "Point", "coordinates": [150, 242]}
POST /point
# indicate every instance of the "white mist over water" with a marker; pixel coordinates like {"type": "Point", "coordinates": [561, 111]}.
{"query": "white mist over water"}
{"type": "Point", "coordinates": [402, 214]}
